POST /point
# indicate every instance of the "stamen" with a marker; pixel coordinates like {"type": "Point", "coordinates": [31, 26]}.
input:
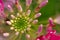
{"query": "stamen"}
{"type": "Point", "coordinates": [29, 25]}
{"type": "Point", "coordinates": [11, 28]}
{"type": "Point", "coordinates": [28, 29]}
{"type": "Point", "coordinates": [17, 33]}
{"type": "Point", "coordinates": [22, 31]}
{"type": "Point", "coordinates": [51, 21]}
{"type": "Point", "coordinates": [12, 21]}
{"type": "Point", "coordinates": [28, 12]}
{"type": "Point", "coordinates": [35, 21]}
{"type": "Point", "coordinates": [37, 15]}
{"type": "Point", "coordinates": [28, 2]}
{"type": "Point", "coordinates": [18, 14]}
{"type": "Point", "coordinates": [10, 8]}
{"type": "Point", "coordinates": [5, 34]}
{"type": "Point", "coordinates": [20, 8]}
{"type": "Point", "coordinates": [12, 16]}
{"type": "Point", "coordinates": [40, 29]}
{"type": "Point", "coordinates": [27, 36]}
{"type": "Point", "coordinates": [43, 3]}
{"type": "Point", "coordinates": [8, 22]}
{"type": "Point", "coordinates": [30, 20]}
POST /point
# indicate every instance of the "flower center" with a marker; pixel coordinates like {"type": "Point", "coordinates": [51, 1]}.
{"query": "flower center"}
{"type": "Point", "coordinates": [20, 23]}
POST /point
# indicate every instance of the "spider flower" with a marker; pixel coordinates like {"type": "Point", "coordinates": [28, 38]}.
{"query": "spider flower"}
{"type": "Point", "coordinates": [22, 23]}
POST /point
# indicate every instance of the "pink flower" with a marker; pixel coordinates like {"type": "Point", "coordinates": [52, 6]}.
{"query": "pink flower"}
{"type": "Point", "coordinates": [51, 34]}
{"type": "Point", "coordinates": [55, 37]}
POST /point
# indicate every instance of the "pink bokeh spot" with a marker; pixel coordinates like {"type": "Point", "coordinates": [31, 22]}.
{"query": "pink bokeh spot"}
{"type": "Point", "coordinates": [1, 5]}
{"type": "Point", "coordinates": [2, 14]}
